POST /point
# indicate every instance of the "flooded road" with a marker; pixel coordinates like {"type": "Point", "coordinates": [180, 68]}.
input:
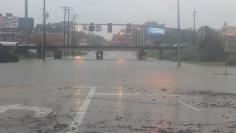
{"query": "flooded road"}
{"type": "Point", "coordinates": [119, 94]}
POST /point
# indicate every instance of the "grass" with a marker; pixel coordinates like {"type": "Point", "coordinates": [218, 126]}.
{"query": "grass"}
{"type": "Point", "coordinates": [169, 55]}
{"type": "Point", "coordinates": [207, 63]}
{"type": "Point", "coordinates": [153, 54]}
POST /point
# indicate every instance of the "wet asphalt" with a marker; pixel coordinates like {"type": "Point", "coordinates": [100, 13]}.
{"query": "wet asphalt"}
{"type": "Point", "coordinates": [117, 95]}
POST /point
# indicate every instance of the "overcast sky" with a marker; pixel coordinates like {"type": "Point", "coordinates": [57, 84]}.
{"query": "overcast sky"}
{"type": "Point", "coordinates": [210, 12]}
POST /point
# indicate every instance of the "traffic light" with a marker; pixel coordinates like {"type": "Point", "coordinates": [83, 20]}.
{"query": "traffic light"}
{"type": "Point", "coordinates": [109, 28]}
{"type": "Point", "coordinates": [129, 28]}
{"type": "Point", "coordinates": [91, 27]}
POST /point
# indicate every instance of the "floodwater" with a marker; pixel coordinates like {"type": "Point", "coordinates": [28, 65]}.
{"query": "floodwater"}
{"type": "Point", "coordinates": [119, 94]}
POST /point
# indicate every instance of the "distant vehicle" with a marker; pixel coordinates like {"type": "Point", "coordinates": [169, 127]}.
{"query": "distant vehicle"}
{"type": "Point", "coordinates": [8, 54]}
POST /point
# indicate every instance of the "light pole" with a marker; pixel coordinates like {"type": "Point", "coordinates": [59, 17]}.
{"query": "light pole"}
{"type": "Point", "coordinates": [26, 22]}
{"type": "Point", "coordinates": [65, 13]}
{"type": "Point", "coordinates": [226, 54]}
{"type": "Point", "coordinates": [68, 29]}
{"type": "Point", "coordinates": [178, 33]}
{"type": "Point", "coordinates": [44, 30]}
{"type": "Point", "coordinates": [194, 28]}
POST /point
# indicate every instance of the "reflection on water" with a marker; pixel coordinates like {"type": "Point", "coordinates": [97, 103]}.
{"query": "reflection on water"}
{"type": "Point", "coordinates": [163, 80]}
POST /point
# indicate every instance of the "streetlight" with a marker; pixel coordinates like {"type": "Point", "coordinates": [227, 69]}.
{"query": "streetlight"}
{"type": "Point", "coordinates": [44, 29]}
{"type": "Point", "coordinates": [178, 23]}
{"type": "Point", "coordinates": [26, 22]}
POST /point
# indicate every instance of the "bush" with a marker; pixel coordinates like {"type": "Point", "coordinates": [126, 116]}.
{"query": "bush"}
{"type": "Point", "coordinates": [232, 59]}
{"type": "Point", "coordinates": [210, 45]}
{"type": "Point", "coordinates": [190, 53]}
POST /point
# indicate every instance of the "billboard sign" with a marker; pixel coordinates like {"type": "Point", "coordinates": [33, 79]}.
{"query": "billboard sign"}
{"type": "Point", "coordinates": [156, 31]}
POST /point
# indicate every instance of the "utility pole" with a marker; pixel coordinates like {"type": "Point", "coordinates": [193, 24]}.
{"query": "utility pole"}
{"type": "Point", "coordinates": [65, 13]}
{"type": "Point", "coordinates": [68, 26]}
{"type": "Point", "coordinates": [178, 34]}
{"type": "Point", "coordinates": [74, 32]}
{"type": "Point", "coordinates": [44, 30]}
{"type": "Point", "coordinates": [26, 22]}
{"type": "Point", "coordinates": [194, 28]}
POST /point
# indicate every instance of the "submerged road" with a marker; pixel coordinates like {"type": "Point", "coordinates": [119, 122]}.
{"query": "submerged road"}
{"type": "Point", "coordinates": [117, 95]}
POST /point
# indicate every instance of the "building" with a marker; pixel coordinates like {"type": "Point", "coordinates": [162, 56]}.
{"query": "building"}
{"type": "Point", "coordinates": [8, 23]}
{"type": "Point", "coordinates": [12, 28]}
{"type": "Point", "coordinates": [229, 34]}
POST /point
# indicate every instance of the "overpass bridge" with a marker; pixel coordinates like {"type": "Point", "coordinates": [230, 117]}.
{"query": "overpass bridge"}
{"type": "Point", "coordinates": [57, 48]}
{"type": "Point", "coordinates": [94, 48]}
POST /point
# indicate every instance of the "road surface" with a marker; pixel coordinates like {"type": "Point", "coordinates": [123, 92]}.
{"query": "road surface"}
{"type": "Point", "coordinates": [117, 95]}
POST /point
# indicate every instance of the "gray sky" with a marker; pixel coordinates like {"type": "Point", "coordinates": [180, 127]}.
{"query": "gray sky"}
{"type": "Point", "coordinates": [210, 12]}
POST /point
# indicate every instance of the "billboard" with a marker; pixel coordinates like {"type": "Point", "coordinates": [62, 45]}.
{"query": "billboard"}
{"type": "Point", "coordinates": [156, 31]}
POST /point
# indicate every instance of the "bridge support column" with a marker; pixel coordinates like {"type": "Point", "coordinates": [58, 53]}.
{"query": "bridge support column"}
{"type": "Point", "coordinates": [57, 54]}
{"type": "Point", "coordinates": [39, 53]}
{"type": "Point", "coordinates": [141, 54]}
{"type": "Point", "coordinates": [161, 54]}
{"type": "Point", "coordinates": [99, 55]}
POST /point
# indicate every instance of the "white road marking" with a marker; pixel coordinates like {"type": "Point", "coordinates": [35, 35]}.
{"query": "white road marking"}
{"type": "Point", "coordinates": [188, 105]}
{"type": "Point", "coordinates": [135, 94]}
{"type": "Point", "coordinates": [38, 111]}
{"type": "Point", "coordinates": [74, 126]}
{"type": "Point", "coordinates": [115, 94]}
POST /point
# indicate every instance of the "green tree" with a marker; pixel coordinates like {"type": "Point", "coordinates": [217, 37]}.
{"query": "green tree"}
{"type": "Point", "coordinates": [210, 44]}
